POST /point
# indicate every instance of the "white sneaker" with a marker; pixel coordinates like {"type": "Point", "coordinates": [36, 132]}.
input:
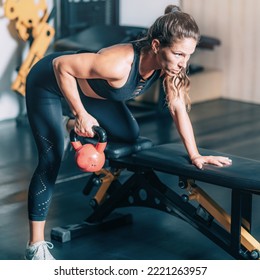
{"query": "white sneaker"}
{"type": "Point", "coordinates": [39, 251]}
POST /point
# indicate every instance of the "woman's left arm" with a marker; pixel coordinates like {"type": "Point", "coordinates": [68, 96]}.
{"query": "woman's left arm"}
{"type": "Point", "coordinates": [184, 127]}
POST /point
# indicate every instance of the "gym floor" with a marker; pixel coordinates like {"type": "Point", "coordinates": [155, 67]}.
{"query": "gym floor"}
{"type": "Point", "coordinates": [223, 125]}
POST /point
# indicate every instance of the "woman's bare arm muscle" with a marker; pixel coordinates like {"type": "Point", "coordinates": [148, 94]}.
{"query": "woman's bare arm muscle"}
{"type": "Point", "coordinates": [110, 63]}
{"type": "Point", "coordinates": [105, 65]}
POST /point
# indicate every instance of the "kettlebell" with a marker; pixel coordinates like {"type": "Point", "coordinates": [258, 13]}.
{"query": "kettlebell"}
{"type": "Point", "coordinates": [90, 157]}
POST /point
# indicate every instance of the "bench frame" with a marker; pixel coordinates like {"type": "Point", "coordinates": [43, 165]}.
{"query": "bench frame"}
{"type": "Point", "coordinates": [232, 232]}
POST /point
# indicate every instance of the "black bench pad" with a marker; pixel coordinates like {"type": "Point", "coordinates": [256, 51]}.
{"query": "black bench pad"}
{"type": "Point", "coordinates": [243, 174]}
{"type": "Point", "coordinates": [116, 150]}
{"type": "Point", "coordinates": [96, 37]}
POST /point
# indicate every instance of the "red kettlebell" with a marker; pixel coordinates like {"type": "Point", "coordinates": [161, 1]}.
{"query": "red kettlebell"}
{"type": "Point", "coordinates": [90, 157]}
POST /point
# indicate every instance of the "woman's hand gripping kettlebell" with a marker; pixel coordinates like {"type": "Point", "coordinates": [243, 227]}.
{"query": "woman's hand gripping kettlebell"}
{"type": "Point", "coordinates": [90, 157]}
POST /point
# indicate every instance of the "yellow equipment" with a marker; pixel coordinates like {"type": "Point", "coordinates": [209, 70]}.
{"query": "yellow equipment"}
{"type": "Point", "coordinates": [31, 22]}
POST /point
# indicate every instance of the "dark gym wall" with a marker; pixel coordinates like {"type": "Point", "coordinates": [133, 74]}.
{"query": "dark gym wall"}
{"type": "Point", "coordinates": [73, 16]}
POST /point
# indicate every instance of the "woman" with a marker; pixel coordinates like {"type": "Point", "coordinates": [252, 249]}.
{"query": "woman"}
{"type": "Point", "coordinates": [95, 86]}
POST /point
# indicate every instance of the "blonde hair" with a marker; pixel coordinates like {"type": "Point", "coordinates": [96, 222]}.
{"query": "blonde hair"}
{"type": "Point", "coordinates": [175, 86]}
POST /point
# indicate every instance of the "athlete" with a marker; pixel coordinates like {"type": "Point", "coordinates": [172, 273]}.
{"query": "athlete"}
{"type": "Point", "coordinates": [95, 87]}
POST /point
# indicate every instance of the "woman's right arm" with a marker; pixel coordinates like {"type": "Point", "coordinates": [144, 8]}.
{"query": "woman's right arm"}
{"type": "Point", "coordinates": [69, 67]}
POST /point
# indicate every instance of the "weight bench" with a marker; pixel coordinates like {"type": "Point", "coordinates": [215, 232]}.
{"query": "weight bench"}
{"type": "Point", "coordinates": [143, 187]}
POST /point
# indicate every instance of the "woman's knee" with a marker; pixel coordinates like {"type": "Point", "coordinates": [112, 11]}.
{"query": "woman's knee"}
{"type": "Point", "coordinates": [125, 134]}
{"type": "Point", "coordinates": [133, 134]}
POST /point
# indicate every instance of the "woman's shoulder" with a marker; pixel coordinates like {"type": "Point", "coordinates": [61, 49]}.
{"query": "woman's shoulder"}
{"type": "Point", "coordinates": [120, 56]}
{"type": "Point", "coordinates": [125, 51]}
{"type": "Point", "coordinates": [116, 60]}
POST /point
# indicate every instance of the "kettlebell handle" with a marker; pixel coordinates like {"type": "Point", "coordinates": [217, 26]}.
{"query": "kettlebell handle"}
{"type": "Point", "coordinates": [90, 157]}
{"type": "Point", "coordinates": [99, 131]}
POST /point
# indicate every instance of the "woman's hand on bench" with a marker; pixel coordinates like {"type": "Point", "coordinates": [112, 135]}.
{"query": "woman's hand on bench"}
{"type": "Point", "coordinates": [199, 161]}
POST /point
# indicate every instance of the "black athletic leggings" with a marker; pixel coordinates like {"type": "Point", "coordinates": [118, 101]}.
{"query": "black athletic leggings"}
{"type": "Point", "coordinates": [44, 108]}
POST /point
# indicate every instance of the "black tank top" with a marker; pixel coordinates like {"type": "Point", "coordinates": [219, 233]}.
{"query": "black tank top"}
{"type": "Point", "coordinates": [133, 87]}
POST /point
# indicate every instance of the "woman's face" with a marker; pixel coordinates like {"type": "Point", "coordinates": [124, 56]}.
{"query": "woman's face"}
{"type": "Point", "coordinates": [174, 58]}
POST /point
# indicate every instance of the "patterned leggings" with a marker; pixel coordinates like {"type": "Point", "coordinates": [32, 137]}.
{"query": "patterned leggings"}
{"type": "Point", "coordinates": [45, 108]}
